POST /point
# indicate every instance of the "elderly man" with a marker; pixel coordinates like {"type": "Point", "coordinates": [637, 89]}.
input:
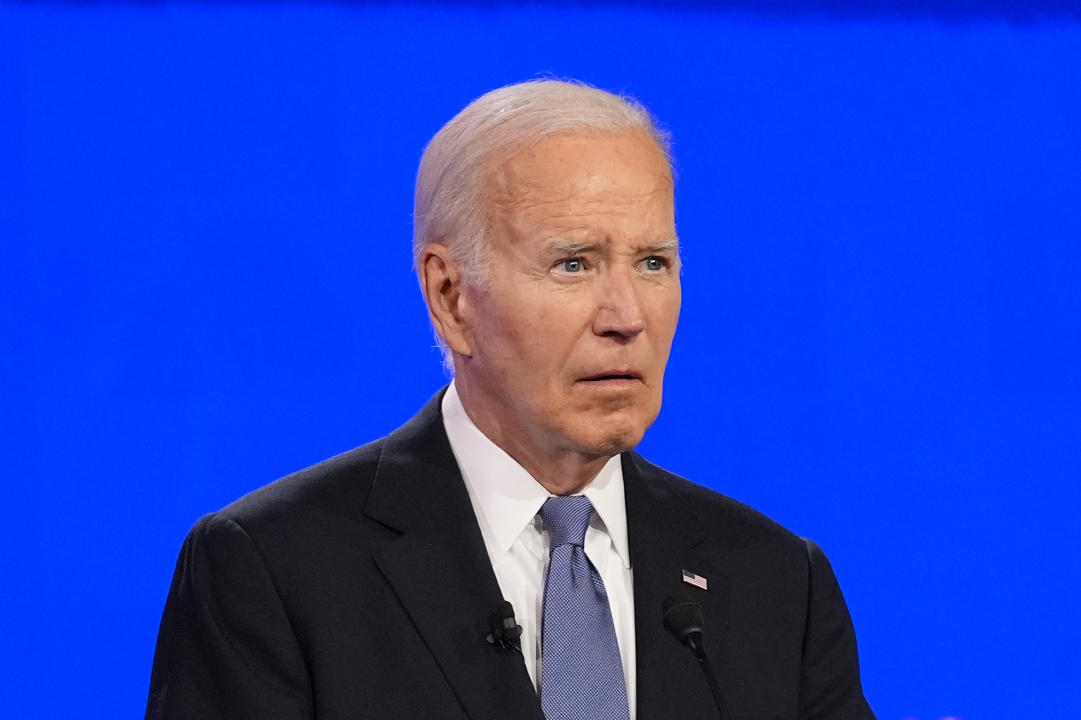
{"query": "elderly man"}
{"type": "Point", "coordinates": [374, 585]}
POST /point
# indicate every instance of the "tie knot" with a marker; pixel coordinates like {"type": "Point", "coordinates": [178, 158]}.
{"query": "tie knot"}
{"type": "Point", "coordinates": [566, 519]}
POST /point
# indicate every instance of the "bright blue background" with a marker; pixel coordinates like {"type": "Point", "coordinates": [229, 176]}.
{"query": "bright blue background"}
{"type": "Point", "coordinates": [205, 223]}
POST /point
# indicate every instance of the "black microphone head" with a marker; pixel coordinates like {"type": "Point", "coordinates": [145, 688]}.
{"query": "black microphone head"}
{"type": "Point", "coordinates": [683, 617]}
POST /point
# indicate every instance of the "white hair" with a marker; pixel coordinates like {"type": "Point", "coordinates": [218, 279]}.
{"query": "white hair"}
{"type": "Point", "coordinates": [448, 205]}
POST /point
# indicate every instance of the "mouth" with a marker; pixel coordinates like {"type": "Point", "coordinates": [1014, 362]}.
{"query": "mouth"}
{"type": "Point", "coordinates": [613, 377]}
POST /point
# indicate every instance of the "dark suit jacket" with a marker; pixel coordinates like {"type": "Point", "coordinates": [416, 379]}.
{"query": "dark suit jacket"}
{"type": "Point", "coordinates": [361, 588]}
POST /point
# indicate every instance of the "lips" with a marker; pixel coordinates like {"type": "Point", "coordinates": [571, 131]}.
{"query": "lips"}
{"type": "Point", "coordinates": [613, 375]}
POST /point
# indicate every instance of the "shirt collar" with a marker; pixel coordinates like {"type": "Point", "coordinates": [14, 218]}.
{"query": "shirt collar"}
{"type": "Point", "coordinates": [505, 496]}
{"type": "Point", "coordinates": [605, 492]}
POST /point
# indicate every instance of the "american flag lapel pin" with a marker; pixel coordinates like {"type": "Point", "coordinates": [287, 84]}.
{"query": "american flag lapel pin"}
{"type": "Point", "coordinates": [697, 580]}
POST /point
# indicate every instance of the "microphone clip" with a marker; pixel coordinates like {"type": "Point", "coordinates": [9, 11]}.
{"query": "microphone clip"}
{"type": "Point", "coordinates": [505, 632]}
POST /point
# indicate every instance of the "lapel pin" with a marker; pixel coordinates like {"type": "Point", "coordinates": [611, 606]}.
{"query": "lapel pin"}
{"type": "Point", "coordinates": [697, 580]}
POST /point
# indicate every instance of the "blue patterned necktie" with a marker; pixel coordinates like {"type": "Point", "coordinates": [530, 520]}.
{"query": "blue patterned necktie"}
{"type": "Point", "coordinates": [582, 674]}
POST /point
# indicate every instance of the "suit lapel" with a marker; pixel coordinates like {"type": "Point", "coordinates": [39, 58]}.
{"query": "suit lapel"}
{"type": "Point", "coordinates": [666, 537]}
{"type": "Point", "coordinates": [440, 571]}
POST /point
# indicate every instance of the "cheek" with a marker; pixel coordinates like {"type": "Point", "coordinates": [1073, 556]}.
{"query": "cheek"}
{"type": "Point", "coordinates": [545, 347]}
{"type": "Point", "coordinates": [520, 341]}
{"type": "Point", "coordinates": [551, 327]}
{"type": "Point", "coordinates": [664, 314]}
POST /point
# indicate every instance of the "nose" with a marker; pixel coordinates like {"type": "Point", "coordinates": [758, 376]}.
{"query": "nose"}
{"type": "Point", "coordinates": [619, 307]}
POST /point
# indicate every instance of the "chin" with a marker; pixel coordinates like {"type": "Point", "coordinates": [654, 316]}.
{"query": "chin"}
{"type": "Point", "coordinates": [612, 438]}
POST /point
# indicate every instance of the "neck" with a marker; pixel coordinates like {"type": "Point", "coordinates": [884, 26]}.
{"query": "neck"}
{"type": "Point", "coordinates": [567, 475]}
{"type": "Point", "coordinates": [559, 471]}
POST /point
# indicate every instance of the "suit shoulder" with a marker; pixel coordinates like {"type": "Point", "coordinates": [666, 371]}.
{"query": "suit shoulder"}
{"type": "Point", "coordinates": [723, 515]}
{"type": "Point", "coordinates": [338, 484]}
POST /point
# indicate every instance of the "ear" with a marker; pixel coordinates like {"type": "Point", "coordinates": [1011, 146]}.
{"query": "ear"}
{"type": "Point", "coordinates": [441, 282]}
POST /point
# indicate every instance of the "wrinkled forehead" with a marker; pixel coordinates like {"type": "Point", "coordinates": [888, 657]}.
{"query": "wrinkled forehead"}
{"type": "Point", "coordinates": [611, 190]}
{"type": "Point", "coordinates": [577, 166]}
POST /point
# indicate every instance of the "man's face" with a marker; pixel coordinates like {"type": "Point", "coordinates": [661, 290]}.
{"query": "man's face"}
{"type": "Point", "coordinates": [570, 334]}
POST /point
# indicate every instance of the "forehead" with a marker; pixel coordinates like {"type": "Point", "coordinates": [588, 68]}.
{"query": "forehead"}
{"type": "Point", "coordinates": [613, 170]}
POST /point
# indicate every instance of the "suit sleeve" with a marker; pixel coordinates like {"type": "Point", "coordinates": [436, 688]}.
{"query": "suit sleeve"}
{"type": "Point", "coordinates": [226, 648]}
{"type": "Point", "coordinates": [830, 675]}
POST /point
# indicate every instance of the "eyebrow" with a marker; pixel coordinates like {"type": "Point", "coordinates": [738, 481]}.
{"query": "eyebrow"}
{"type": "Point", "coordinates": [671, 245]}
{"type": "Point", "coordinates": [570, 248]}
{"type": "Point", "coordinates": [577, 248]}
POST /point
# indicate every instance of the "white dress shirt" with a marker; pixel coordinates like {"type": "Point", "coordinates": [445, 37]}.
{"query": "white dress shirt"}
{"type": "Point", "coordinates": [506, 500]}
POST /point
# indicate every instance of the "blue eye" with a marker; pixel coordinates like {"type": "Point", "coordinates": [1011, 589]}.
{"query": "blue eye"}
{"type": "Point", "coordinates": [655, 263]}
{"type": "Point", "coordinates": [572, 265]}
